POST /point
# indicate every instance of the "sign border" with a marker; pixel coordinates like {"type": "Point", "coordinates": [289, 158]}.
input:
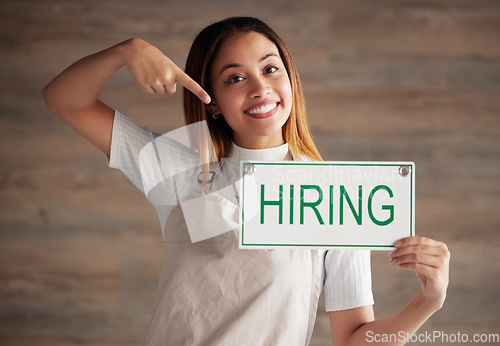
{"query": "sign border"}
{"type": "Point", "coordinates": [324, 163]}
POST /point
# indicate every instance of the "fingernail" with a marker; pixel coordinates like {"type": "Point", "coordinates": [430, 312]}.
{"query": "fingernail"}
{"type": "Point", "coordinates": [393, 260]}
{"type": "Point", "coordinates": [392, 254]}
{"type": "Point", "coordinates": [398, 243]}
{"type": "Point", "coordinates": [207, 99]}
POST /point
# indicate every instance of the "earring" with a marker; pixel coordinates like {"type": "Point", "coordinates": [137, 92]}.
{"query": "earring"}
{"type": "Point", "coordinates": [215, 116]}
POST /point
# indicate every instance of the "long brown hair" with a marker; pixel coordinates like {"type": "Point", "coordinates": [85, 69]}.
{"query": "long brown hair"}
{"type": "Point", "coordinates": [198, 66]}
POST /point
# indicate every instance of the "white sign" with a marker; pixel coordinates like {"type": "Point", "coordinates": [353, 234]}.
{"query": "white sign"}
{"type": "Point", "coordinates": [325, 204]}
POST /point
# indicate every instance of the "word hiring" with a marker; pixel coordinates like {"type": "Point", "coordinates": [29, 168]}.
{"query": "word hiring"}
{"type": "Point", "coordinates": [343, 200]}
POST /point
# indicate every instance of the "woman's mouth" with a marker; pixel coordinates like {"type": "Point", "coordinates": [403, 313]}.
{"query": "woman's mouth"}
{"type": "Point", "coordinates": [263, 111]}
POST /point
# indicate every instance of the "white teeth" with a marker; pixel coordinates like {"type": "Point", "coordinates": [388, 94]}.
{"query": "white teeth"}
{"type": "Point", "coordinates": [263, 110]}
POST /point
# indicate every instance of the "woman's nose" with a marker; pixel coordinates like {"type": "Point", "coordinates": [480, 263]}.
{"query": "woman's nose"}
{"type": "Point", "coordinates": [259, 87]}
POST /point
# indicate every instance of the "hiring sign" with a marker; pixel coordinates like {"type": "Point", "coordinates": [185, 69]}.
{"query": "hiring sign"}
{"type": "Point", "coordinates": [325, 204]}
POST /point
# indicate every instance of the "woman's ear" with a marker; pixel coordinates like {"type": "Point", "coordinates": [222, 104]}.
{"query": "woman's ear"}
{"type": "Point", "coordinates": [213, 108]}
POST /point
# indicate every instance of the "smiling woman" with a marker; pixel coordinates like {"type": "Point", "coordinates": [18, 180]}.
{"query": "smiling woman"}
{"type": "Point", "coordinates": [251, 89]}
{"type": "Point", "coordinates": [210, 291]}
{"type": "Point", "coordinates": [277, 59]}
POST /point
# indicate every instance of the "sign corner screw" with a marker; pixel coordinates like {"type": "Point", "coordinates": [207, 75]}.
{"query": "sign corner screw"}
{"type": "Point", "coordinates": [404, 170]}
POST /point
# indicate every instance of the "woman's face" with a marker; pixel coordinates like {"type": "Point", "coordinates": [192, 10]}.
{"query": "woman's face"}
{"type": "Point", "coordinates": [252, 90]}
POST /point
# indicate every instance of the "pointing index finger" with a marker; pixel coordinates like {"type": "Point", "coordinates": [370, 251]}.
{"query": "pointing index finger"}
{"type": "Point", "coordinates": [192, 86]}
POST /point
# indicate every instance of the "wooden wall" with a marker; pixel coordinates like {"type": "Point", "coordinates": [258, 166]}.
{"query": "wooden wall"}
{"type": "Point", "coordinates": [81, 249]}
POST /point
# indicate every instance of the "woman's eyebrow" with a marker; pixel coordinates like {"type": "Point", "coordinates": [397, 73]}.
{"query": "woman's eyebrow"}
{"type": "Point", "coordinates": [225, 67]}
{"type": "Point", "coordinates": [231, 65]}
{"type": "Point", "coordinates": [268, 55]}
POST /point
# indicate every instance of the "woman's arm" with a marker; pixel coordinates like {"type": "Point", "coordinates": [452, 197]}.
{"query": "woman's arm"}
{"type": "Point", "coordinates": [429, 259]}
{"type": "Point", "coordinates": [73, 94]}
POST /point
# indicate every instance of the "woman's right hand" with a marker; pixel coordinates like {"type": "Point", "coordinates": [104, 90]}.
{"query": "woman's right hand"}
{"type": "Point", "coordinates": [73, 94]}
{"type": "Point", "coordinates": [154, 72]}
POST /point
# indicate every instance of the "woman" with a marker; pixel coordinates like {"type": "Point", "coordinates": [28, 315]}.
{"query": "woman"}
{"type": "Point", "coordinates": [241, 79]}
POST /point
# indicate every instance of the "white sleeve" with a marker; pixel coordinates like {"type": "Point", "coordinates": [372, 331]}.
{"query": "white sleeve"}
{"type": "Point", "coordinates": [127, 140]}
{"type": "Point", "coordinates": [347, 279]}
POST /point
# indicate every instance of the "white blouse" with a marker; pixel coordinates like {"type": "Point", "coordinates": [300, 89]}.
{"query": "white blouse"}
{"type": "Point", "coordinates": [212, 293]}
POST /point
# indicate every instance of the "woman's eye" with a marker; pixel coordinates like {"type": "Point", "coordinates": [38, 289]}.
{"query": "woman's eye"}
{"type": "Point", "coordinates": [234, 79]}
{"type": "Point", "coordinates": [271, 69]}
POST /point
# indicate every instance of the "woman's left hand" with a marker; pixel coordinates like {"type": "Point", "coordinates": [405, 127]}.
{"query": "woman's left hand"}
{"type": "Point", "coordinates": [430, 260]}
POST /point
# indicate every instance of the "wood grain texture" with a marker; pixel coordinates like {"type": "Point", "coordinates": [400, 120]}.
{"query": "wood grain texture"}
{"type": "Point", "coordinates": [81, 249]}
